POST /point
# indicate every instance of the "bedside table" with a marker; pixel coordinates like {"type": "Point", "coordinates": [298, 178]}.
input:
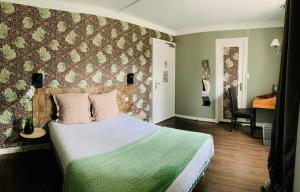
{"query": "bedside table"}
{"type": "Point", "coordinates": [37, 133]}
{"type": "Point", "coordinates": [140, 117]}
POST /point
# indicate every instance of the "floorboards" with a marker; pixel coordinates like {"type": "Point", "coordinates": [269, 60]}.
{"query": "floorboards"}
{"type": "Point", "coordinates": [239, 163]}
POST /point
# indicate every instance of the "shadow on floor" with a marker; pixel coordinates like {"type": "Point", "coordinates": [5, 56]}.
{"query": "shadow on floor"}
{"type": "Point", "coordinates": [34, 171]}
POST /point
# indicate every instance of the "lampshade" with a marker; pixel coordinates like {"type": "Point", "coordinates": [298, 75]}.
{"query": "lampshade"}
{"type": "Point", "coordinates": [275, 43]}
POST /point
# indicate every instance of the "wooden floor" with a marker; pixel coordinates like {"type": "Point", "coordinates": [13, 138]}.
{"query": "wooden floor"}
{"type": "Point", "coordinates": [239, 163]}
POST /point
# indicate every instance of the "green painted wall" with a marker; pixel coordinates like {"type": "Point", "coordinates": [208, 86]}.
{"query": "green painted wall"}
{"type": "Point", "coordinates": [263, 67]}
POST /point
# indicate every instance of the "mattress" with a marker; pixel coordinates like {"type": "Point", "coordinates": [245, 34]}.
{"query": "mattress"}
{"type": "Point", "coordinates": [77, 141]}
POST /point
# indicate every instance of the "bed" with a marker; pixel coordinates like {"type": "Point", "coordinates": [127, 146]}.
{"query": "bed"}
{"type": "Point", "coordinates": [76, 143]}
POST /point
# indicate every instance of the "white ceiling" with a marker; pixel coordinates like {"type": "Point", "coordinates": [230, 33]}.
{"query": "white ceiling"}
{"type": "Point", "coordinates": [186, 16]}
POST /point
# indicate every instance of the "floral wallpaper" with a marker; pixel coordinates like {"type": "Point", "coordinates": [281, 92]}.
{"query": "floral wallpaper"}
{"type": "Point", "coordinates": [70, 50]}
{"type": "Point", "coordinates": [231, 59]}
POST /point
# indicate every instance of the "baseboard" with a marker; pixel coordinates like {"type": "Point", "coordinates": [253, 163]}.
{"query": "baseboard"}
{"type": "Point", "coordinates": [258, 124]}
{"type": "Point", "coordinates": [24, 148]}
{"type": "Point", "coordinates": [195, 118]}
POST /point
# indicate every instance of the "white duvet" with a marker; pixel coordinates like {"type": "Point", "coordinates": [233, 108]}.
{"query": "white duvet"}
{"type": "Point", "coordinates": [82, 140]}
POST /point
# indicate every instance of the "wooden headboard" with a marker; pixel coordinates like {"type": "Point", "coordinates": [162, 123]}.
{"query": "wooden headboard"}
{"type": "Point", "coordinates": [43, 108]}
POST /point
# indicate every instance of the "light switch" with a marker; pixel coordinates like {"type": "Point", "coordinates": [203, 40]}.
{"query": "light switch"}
{"type": "Point", "coordinates": [248, 76]}
{"type": "Point", "coordinates": [126, 98]}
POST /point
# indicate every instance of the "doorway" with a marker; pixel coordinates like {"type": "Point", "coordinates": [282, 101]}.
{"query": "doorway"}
{"type": "Point", "coordinates": [231, 70]}
{"type": "Point", "coordinates": [163, 80]}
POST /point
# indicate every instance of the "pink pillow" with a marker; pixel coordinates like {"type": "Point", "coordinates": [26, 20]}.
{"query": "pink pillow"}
{"type": "Point", "coordinates": [73, 108]}
{"type": "Point", "coordinates": [104, 106]}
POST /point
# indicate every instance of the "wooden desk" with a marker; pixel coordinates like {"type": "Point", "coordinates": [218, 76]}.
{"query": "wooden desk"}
{"type": "Point", "coordinates": [267, 101]}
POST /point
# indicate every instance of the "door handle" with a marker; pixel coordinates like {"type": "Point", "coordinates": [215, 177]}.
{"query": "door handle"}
{"type": "Point", "coordinates": [155, 85]}
{"type": "Point", "coordinates": [241, 87]}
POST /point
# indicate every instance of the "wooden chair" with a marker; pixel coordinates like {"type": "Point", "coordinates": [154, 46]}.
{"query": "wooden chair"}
{"type": "Point", "coordinates": [247, 113]}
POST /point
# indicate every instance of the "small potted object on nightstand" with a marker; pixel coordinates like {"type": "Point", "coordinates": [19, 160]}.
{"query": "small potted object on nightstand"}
{"type": "Point", "coordinates": [30, 132]}
{"type": "Point", "coordinates": [28, 129]}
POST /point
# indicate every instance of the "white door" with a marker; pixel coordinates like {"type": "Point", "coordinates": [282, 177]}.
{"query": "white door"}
{"type": "Point", "coordinates": [163, 80]}
{"type": "Point", "coordinates": [231, 70]}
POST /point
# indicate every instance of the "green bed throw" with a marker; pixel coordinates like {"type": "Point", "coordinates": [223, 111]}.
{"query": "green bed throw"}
{"type": "Point", "coordinates": [150, 164]}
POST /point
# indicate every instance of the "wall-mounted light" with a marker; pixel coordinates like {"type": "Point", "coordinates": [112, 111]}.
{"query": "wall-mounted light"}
{"type": "Point", "coordinates": [276, 45]}
{"type": "Point", "coordinates": [37, 80]}
{"type": "Point", "coordinates": [130, 77]}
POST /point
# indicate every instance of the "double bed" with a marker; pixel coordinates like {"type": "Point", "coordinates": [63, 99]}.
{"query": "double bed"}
{"type": "Point", "coordinates": [97, 156]}
{"type": "Point", "coordinates": [83, 140]}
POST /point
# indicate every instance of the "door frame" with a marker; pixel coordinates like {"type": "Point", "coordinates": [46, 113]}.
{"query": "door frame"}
{"type": "Point", "coordinates": [220, 74]}
{"type": "Point", "coordinates": [153, 41]}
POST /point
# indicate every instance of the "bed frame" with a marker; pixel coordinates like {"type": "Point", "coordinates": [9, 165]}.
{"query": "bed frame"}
{"type": "Point", "coordinates": [44, 110]}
